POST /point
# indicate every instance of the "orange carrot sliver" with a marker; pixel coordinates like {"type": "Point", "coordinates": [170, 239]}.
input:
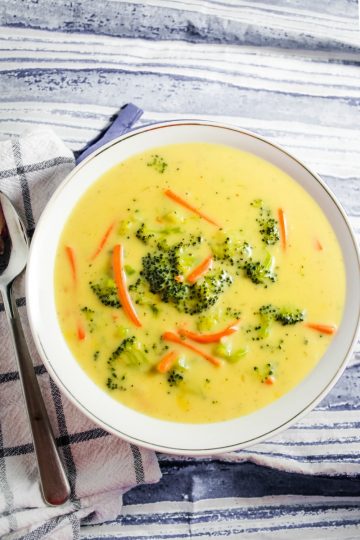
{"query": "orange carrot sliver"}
{"type": "Point", "coordinates": [210, 338]}
{"type": "Point", "coordinates": [102, 241]}
{"type": "Point", "coordinates": [170, 336]}
{"type": "Point", "coordinates": [169, 193]}
{"type": "Point", "coordinates": [166, 362]}
{"type": "Point", "coordinates": [318, 245]}
{"type": "Point", "coordinates": [283, 228]}
{"type": "Point", "coordinates": [120, 280]}
{"type": "Point", "coordinates": [80, 332]}
{"type": "Point", "coordinates": [200, 270]}
{"type": "Point", "coordinates": [322, 328]}
{"type": "Point", "coordinates": [72, 262]}
{"type": "Point", "coordinates": [270, 379]}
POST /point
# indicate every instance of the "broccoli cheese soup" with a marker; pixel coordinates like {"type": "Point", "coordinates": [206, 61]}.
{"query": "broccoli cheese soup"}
{"type": "Point", "coordinates": [193, 283]}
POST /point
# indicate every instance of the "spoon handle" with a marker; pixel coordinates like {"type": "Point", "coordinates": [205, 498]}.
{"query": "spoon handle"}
{"type": "Point", "coordinates": [54, 483]}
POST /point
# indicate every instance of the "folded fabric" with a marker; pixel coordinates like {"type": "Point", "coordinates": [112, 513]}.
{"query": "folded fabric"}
{"type": "Point", "coordinates": [100, 467]}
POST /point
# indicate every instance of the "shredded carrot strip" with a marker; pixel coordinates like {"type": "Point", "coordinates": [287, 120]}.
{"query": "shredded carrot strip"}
{"type": "Point", "coordinates": [210, 338]}
{"type": "Point", "coordinates": [322, 328]}
{"type": "Point", "coordinates": [80, 332]}
{"type": "Point", "coordinates": [72, 262]}
{"type": "Point", "coordinates": [120, 280]}
{"type": "Point", "coordinates": [200, 270]}
{"type": "Point", "coordinates": [283, 228]}
{"type": "Point", "coordinates": [166, 362]}
{"type": "Point", "coordinates": [102, 241]}
{"type": "Point", "coordinates": [169, 193]}
{"type": "Point", "coordinates": [318, 245]}
{"type": "Point", "coordinates": [170, 336]}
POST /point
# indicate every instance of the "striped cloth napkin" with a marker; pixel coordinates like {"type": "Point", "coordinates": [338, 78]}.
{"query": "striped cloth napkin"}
{"type": "Point", "coordinates": [100, 467]}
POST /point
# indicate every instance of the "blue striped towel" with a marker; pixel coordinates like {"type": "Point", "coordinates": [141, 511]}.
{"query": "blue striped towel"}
{"type": "Point", "coordinates": [99, 470]}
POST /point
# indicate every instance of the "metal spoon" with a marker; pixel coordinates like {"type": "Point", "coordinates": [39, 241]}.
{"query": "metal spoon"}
{"type": "Point", "coordinates": [13, 258]}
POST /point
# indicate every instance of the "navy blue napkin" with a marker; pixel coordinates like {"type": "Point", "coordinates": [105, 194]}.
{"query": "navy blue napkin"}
{"type": "Point", "coordinates": [128, 115]}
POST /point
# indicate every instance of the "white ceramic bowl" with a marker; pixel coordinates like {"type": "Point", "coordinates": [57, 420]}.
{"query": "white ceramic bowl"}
{"type": "Point", "coordinates": [135, 427]}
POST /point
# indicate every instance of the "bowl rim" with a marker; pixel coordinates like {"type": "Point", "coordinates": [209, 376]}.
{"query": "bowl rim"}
{"type": "Point", "coordinates": [131, 439]}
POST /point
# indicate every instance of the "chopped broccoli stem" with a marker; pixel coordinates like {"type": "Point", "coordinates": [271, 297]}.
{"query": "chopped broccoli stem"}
{"type": "Point", "coordinates": [173, 217]}
{"type": "Point", "coordinates": [123, 332]}
{"type": "Point", "coordinates": [129, 270]}
{"type": "Point", "coordinates": [230, 247]}
{"type": "Point", "coordinates": [125, 227]}
{"type": "Point", "coordinates": [105, 290]}
{"type": "Point", "coordinates": [207, 322]}
{"type": "Point", "coordinates": [146, 235]}
{"type": "Point", "coordinates": [237, 355]}
{"type": "Point", "coordinates": [223, 349]}
{"type": "Point", "coordinates": [132, 354]}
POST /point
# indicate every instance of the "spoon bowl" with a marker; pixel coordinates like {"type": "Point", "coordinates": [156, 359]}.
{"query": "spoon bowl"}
{"type": "Point", "coordinates": [14, 244]}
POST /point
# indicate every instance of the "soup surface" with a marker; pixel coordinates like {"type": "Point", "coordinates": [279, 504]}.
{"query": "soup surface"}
{"type": "Point", "coordinates": [198, 283]}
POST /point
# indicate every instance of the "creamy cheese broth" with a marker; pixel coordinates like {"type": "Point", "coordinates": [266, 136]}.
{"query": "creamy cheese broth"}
{"type": "Point", "coordinates": [264, 358]}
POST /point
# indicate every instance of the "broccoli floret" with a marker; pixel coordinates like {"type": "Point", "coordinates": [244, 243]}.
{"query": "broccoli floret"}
{"type": "Point", "coordinates": [260, 272]}
{"type": "Point", "coordinates": [160, 269]}
{"type": "Point", "coordinates": [174, 377]}
{"type": "Point", "coordinates": [269, 229]}
{"type": "Point", "coordinates": [106, 291]}
{"type": "Point", "coordinates": [282, 315]}
{"type": "Point", "coordinates": [205, 293]}
{"type": "Point", "coordinates": [285, 316]}
{"type": "Point", "coordinates": [158, 163]}
{"type": "Point", "coordinates": [268, 311]}
{"type": "Point", "coordinates": [144, 234]}
{"type": "Point", "coordinates": [125, 344]}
